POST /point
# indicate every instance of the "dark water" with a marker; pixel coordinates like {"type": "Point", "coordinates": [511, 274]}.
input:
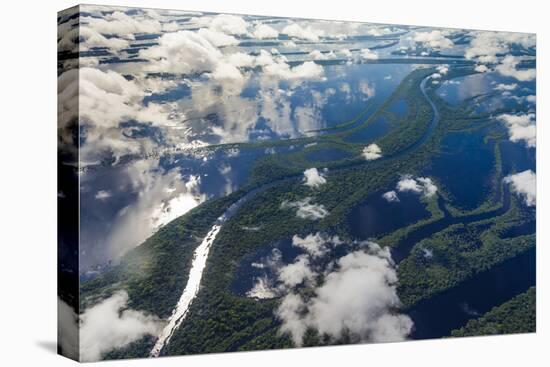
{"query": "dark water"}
{"type": "Point", "coordinates": [522, 229]}
{"type": "Point", "coordinates": [465, 168]}
{"type": "Point", "coordinates": [376, 216]}
{"type": "Point", "coordinates": [171, 95]}
{"type": "Point", "coordinates": [370, 132]}
{"type": "Point", "coordinates": [516, 157]}
{"type": "Point", "coordinates": [451, 309]}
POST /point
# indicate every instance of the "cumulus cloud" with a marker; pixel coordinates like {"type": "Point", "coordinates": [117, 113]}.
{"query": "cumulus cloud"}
{"type": "Point", "coordinates": [84, 38]}
{"type": "Point", "coordinates": [443, 69]}
{"type": "Point", "coordinates": [391, 196]}
{"type": "Point", "coordinates": [316, 245]}
{"type": "Point", "coordinates": [217, 38]}
{"type": "Point", "coordinates": [263, 31]}
{"type": "Point", "coordinates": [486, 46]}
{"type": "Point", "coordinates": [379, 31]}
{"type": "Point", "coordinates": [427, 253]}
{"type": "Point", "coordinates": [262, 289]}
{"type": "Point", "coordinates": [306, 209]}
{"type": "Point", "coordinates": [103, 195]}
{"type": "Point", "coordinates": [521, 127]}
{"type": "Point", "coordinates": [480, 68]}
{"type": "Point", "coordinates": [358, 299]}
{"type": "Point", "coordinates": [506, 87]}
{"type": "Point", "coordinates": [106, 99]}
{"type": "Point", "coordinates": [121, 24]}
{"type": "Point", "coordinates": [434, 39]}
{"type": "Point", "coordinates": [367, 54]}
{"type": "Point", "coordinates": [67, 333]}
{"type": "Point", "coordinates": [305, 33]}
{"type": "Point", "coordinates": [372, 152]}
{"type": "Point", "coordinates": [111, 325]}
{"type": "Point", "coordinates": [230, 24]}
{"type": "Point", "coordinates": [241, 59]}
{"type": "Point", "coordinates": [182, 52]}
{"type": "Point", "coordinates": [313, 178]}
{"type": "Point", "coordinates": [346, 53]}
{"type": "Point", "coordinates": [297, 272]}
{"type": "Point", "coordinates": [418, 185]}
{"type": "Point", "coordinates": [353, 295]}
{"type": "Point", "coordinates": [306, 71]}
{"type": "Point", "coordinates": [525, 185]}
{"type": "Point", "coordinates": [508, 67]}
{"type": "Point", "coordinates": [318, 55]}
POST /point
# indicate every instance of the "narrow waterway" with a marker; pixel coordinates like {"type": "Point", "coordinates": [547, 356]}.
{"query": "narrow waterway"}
{"type": "Point", "coordinates": [195, 274]}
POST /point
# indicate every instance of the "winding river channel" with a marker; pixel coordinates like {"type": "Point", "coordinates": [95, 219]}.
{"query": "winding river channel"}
{"type": "Point", "coordinates": [201, 253]}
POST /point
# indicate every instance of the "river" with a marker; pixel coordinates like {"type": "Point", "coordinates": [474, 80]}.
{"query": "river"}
{"type": "Point", "coordinates": [201, 253]}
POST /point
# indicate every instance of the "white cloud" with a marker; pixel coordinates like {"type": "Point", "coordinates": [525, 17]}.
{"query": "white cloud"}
{"type": "Point", "coordinates": [227, 72]}
{"type": "Point", "coordinates": [359, 298]}
{"type": "Point", "coordinates": [427, 253]}
{"type": "Point", "coordinates": [508, 67]}
{"type": "Point", "coordinates": [305, 209]}
{"type": "Point", "coordinates": [313, 178]}
{"type": "Point", "coordinates": [121, 24]}
{"type": "Point", "coordinates": [521, 128]}
{"type": "Point", "coordinates": [241, 59]}
{"type": "Point", "coordinates": [306, 71]}
{"type": "Point", "coordinates": [316, 245]}
{"type": "Point", "coordinates": [524, 184]}
{"type": "Point", "coordinates": [480, 68]}
{"type": "Point", "coordinates": [290, 312]}
{"type": "Point", "coordinates": [486, 46]}
{"type": "Point", "coordinates": [230, 24]}
{"type": "Point", "coordinates": [103, 195]}
{"type": "Point", "coordinates": [296, 273]}
{"type": "Point", "coordinates": [217, 38]}
{"type": "Point", "coordinates": [379, 31]}
{"type": "Point", "coordinates": [84, 38]}
{"type": "Point", "coordinates": [263, 31]}
{"type": "Point", "coordinates": [67, 333]}
{"type": "Point", "coordinates": [419, 185]}
{"type": "Point", "coordinates": [505, 87]}
{"type": "Point", "coordinates": [391, 196]}
{"type": "Point", "coordinates": [307, 33]}
{"type": "Point", "coordinates": [443, 69]}
{"type": "Point", "coordinates": [262, 289]}
{"type": "Point", "coordinates": [182, 52]}
{"type": "Point", "coordinates": [105, 100]}
{"type": "Point", "coordinates": [111, 325]}
{"type": "Point", "coordinates": [367, 54]}
{"type": "Point", "coordinates": [346, 53]}
{"type": "Point", "coordinates": [318, 55]}
{"type": "Point", "coordinates": [434, 39]}
{"type": "Point", "coordinates": [372, 152]}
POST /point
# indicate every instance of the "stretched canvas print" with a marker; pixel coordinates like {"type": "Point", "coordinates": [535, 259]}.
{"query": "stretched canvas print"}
{"type": "Point", "coordinates": [237, 182]}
